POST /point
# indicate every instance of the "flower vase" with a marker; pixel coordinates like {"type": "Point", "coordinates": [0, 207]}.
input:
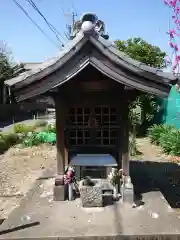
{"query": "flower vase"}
{"type": "Point", "coordinates": [70, 191]}
{"type": "Point", "coordinates": [115, 192]}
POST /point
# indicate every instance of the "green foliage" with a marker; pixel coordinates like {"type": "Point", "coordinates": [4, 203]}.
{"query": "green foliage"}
{"type": "Point", "coordinates": [115, 176]}
{"type": "Point", "coordinates": [7, 69]}
{"type": "Point", "coordinates": [170, 142]}
{"type": "Point", "coordinates": [149, 106]}
{"type": "Point", "coordinates": [167, 137]}
{"type": "Point", "coordinates": [34, 139]}
{"type": "Point", "coordinates": [22, 128]}
{"type": "Point", "coordinates": [3, 146]}
{"type": "Point", "coordinates": [40, 123]}
{"type": "Point", "coordinates": [10, 138]}
{"type": "Point", "coordinates": [134, 117]}
{"type": "Point", "coordinates": [155, 132]}
{"type": "Point", "coordinates": [140, 50]}
{"type": "Point", "coordinates": [133, 149]}
{"type": "Point", "coordinates": [25, 134]}
{"type": "Point", "coordinates": [7, 140]}
{"type": "Point", "coordinates": [51, 128]}
{"type": "Point", "coordinates": [48, 135]}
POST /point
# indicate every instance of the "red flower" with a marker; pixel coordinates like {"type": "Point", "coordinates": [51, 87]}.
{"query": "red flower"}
{"type": "Point", "coordinates": [171, 44]}
{"type": "Point", "coordinates": [171, 33]}
{"type": "Point", "coordinates": [176, 47]}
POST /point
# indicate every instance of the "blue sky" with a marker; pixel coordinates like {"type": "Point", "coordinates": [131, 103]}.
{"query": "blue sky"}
{"type": "Point", "coordinates": [148, 19]}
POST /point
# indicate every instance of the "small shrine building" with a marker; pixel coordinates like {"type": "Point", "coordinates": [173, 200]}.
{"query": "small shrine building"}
{"type": "Point", "coordinates": [92, 84]}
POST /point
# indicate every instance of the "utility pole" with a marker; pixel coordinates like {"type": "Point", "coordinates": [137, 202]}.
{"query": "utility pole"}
{"type": "Point", "coordinates": [70, 27]}
{"type": "Point", "coordinates": [73, 18]}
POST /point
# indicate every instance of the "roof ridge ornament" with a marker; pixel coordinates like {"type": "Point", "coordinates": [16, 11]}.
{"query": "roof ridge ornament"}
{"type": "Point", "coordinates": [89, 24]}
{"type": "Point", "coordinates": [87, 27]}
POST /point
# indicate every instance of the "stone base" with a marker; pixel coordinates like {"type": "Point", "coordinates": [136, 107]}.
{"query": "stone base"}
{"type": "Point", "coordinates": [107, 199]}
{"type": "Point", "coordinates": [91, 196]}
{"type": "Point", "coordinates": [59, 193]}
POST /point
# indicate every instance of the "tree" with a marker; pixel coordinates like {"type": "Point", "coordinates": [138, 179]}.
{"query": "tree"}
{"type": "Point", "coordinates": [141, 50]}
{"type": "Point", "coordinates": [7, 70]}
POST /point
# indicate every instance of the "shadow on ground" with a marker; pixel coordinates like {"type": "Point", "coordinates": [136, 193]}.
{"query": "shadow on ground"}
{"type": "Point", "coordinates": [14, 229]}
{"type": "Point", "coordinates": [155, 176]}
{"type": "Point", "coordinates": [1, 220]}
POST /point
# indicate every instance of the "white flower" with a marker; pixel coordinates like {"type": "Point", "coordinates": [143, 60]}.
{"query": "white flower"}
{"type": "Point", "coordinates": [110, 176]}
{"type": "Point", "coordinates": [29, 134]}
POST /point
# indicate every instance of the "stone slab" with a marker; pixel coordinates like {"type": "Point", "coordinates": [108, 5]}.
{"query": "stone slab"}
{"type": "Point", "coordinates": [91, 196]}
{"type": "Point", "coordinates": [39, 217]}
{"type": "Point", "coordinates": [59, 193]}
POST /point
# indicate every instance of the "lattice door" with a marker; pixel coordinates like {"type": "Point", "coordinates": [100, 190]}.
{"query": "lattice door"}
{"type": "Point", "coordinates": [93, 126]}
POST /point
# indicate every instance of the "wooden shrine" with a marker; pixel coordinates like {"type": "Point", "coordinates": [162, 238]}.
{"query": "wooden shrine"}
{"type": "Point", "coordinates": [92, 84]}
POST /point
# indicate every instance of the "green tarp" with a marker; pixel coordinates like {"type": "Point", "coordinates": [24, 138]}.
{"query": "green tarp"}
{"type": "Point", "coordinates": [47, 137]}
{"type": "Point", "coordinates": [171, 113]}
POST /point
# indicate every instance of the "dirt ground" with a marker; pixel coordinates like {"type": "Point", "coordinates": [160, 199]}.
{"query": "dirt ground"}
{"type": "Point", "coordinates": [19, 169]}
{"type": "Point", "coordinates": [149, 152]}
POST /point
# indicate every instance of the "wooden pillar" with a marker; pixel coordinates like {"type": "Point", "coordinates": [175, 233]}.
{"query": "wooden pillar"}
{"type": "Point", "coordinates": [60, 141]}
{"type": "Point", "coordinates": [123, 156]}
{"type": "Point", "coordinates": [66, 156]}
{"type": "Point", "coordinates": [127, 187]}
{"type": "Point", "coordinates": [128, 97]}
{"type": "Point", "coordinates": [120, 137]}
{"type": "Point", "coordinates": [125, 136]}
{"type": "Point", "coordinates": [61, 114]}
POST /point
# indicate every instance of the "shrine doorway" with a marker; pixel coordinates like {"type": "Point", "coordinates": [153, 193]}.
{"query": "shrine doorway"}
{"type": "Point", "coordinates": [93, 126]}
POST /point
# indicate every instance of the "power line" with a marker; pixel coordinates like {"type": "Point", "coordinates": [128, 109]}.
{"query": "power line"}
{"type": "Point", "coordinates": [62, 9]}
{"type": "Point", "coordinates": [40, 29]}
{"type": "Point", "coordinates": [51, 27]}
{"type": "Point", "coordinates": [66, 34]}
{"type": "Point", "coordinates": [65, 5]}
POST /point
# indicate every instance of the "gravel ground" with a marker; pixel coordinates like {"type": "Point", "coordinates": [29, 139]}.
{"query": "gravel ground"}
{"type": "Point", "coordinates": [19, 168]}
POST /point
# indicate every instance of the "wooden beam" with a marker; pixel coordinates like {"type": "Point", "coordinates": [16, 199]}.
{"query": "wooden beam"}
{"type": "Point", "coordinates": [60, 140]}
